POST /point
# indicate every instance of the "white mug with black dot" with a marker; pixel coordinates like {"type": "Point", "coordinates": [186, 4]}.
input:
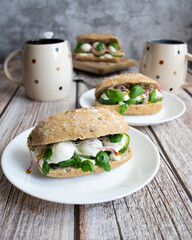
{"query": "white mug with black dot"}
{"type": "Point", "coordinates": [46, 69]}
{"type": "Point", "coordinates": [165, 61]}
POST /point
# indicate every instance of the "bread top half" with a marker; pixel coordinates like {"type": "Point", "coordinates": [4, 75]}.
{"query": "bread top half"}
{"type": "Point", "coordinates": [77, 124]}
{"type": "Point", "coordinates": [123, 79]}
{"type": "Point", "coordinates": [94, 37]}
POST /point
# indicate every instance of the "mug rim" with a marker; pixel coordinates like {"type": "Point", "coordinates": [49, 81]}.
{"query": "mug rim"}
{"type": "Point", "coordinates": [165, 41]}
{"type": "Point", "coordinates": [44, 41]}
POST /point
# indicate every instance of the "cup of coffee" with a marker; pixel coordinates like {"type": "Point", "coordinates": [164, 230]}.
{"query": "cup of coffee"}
{"type": "Point", "coordinates": [46, 69]}
{"type": "Point", "coordinates": [165, 61]}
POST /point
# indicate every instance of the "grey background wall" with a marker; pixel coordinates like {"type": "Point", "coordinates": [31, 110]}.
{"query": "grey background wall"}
{"type": "Point", "coordinates": [133, 21]}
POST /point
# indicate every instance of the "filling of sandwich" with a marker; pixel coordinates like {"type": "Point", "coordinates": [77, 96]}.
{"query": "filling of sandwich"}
{"type": "Point", "coordinates": [131, 95]}
{"type": "Point", "coordinates": [82, 154]}
{"type": "Point", "coordinates": [99, 50]}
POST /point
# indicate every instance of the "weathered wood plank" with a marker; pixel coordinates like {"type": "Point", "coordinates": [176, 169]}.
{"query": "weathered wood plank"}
{"type": "Point", "coordinates": [189, 80]}
{"type": "Point", "coordinates": [58, 220]}
{"type": "Point", "coordinates": [161, 210]}
{"type": "Point", "coordinates": [175, 138]}
{"type": "Point", "coordinates": [30, 218]}
{"type": "Point", "coordinates": [7, 89]}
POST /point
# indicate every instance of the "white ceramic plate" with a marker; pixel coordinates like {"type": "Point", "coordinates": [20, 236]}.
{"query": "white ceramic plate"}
{"type": "Point", "coordinates": [173, 107]}
{"type": "Point", "coordinates": [96, 188]}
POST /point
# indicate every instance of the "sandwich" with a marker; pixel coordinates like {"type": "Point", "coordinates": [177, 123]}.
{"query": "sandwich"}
{"type": "Point", "coordinates": [129, 93]}
{"type": "Point", "coordinates": [98, 47]}
{"type": "Point", "coordinates": [80, 142]}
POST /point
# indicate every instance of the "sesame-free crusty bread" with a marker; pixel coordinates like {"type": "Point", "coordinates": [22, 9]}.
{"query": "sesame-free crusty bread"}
{"type": "Point", "coordinates": [77, 124]}
{"type": "Point", "coordinates": [68, 172]}
{"type": "Point", "coordinates": [94, 37]}
{"type": "Point", "coordinates": [122, 79]}
{"type": "Point", "coordinates": [125, 79]}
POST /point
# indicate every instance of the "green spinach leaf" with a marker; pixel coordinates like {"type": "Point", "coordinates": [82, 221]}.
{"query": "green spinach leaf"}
{"type": "Point", "coordinates": [87, 166]}
{"type": "Point", "coordinates": [126, 144]}
{"type": "Point", "coordinates": [152, 96]}
{"type": "Point", "coordinates": [136, 91]}
{"type": "Point", "coordinates": [99, 47]}
{"type": "Point", "coordinates": [45, 168]}
{"type": "Point", "coordinates": [115, 138]}
{"type": "Point", "coordinates": [102, 160]}
{"type": "Point", "coordinates": [67, 163]}
{"type": "Point", "coordinates": [123, 108]}
{"type": "Point", "coordinates": [115, 45]}
{"type": "Point", "coordinates": [48, 153]}
{"type": "Point", "coordinates": [107, 101]}
{"type": "Point", "coordinates": [115, 95]}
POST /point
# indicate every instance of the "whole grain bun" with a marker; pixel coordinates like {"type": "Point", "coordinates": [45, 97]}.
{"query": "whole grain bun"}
{"type": "Point", "coordinates": [77, 124]}
{"type": "Point", "coordinates": [126, 79]}
{"type": "Point", "coordinates": [137, 109]}
{"type": "Point", "coordinates": [93, 37]}
{"type": "Point", "coordinates": [73, 172]}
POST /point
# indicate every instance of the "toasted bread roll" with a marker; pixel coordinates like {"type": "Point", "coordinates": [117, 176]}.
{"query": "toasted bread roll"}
{"type": "Point", "coordinates": [103, 55]}
{"type": "Point", "coordinates": [128, 80]}
{"type": "Point", "coordinates": [80, 133]}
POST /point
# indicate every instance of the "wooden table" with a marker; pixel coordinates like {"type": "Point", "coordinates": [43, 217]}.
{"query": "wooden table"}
{"type": "Point", "coordinates": [160, 210]}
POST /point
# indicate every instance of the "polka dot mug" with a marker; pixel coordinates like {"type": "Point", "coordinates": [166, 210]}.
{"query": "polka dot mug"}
{"type": "Point", "coordinates": [165, 61]}
{"type": "Point", "coordinates": [46, 69]}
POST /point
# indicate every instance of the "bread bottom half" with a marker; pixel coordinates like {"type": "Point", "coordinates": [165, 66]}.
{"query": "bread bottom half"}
{"type": "Point", "coordinates": [73, 172]}
{"type": "Point", "coordinates": [97, 59]}
{"type": "Point", "coordinates": [140, 109]}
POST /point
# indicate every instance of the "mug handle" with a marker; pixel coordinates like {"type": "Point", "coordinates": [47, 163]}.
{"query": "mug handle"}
{"type": "Point", "coordinates": [5, 67]}
{"type": "Point", "coordinates": [188, 57]}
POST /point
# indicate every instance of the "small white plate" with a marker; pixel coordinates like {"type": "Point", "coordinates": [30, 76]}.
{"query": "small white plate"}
{"type": "Point", "coordinates": [96, 188]}
{"type": "Point", "coordinates": [173, 107]}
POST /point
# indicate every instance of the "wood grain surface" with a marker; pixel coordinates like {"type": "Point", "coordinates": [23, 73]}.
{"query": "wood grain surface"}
{"type": "Point", "coordinates": [160, 210]}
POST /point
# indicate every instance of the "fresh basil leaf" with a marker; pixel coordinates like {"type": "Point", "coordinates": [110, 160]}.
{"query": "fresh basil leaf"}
{"type": "Point", "coordinates": [152, 96]}
{"type": "Point", "coordinates": [136, 91]}
{"type": "Point", "coordinates": [126, 144]}
{"type": "Point", "coordinates": [87, 166]}
{"type": "Point", "coordinates": [78, 162]}
{"type": "Point", "coordinates": [99, 47]}
{"type": "Point", "coordinates": [115, 45]}
{"type": "Point", "coordinates": [115, 95]}
{"type": "Point", "coordinates": [48, 153]}
{"type": "Point", "coordinates": [123, 108]}
{"type": "Point", "coordinates": [45, 168]}
{"type": "Point", "coordinates": [115, 138]}
{"type": "Point", "coordinates": [78, 47]}
{"type": "Point", "coordinates": [107, 101]}
{"type": "Point", "coordinates": [67, 163]}
{"type": "Point", "coordinates": [157, 100]}
{"type": "Point", "coordinates": [107, 167]}
{"type": "Point", "coordinates": [102, 160]}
